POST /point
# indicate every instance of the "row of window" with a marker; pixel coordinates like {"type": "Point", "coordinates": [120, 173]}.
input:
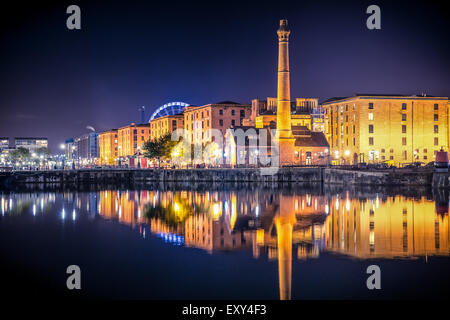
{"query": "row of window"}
{"type": "Point", "coordinates": [404, 141]}
{"type": "Point", "coordinates": [371, 106]}
{"type": "Point", "coordinates": [404, 106]}
{"type": "Point", "coordinates": [371, 130]}
{"type": "Point", "coordinates": [233, 113]}
{"type": "Point", "coordinates": [436, 129]}
{"type": "Point", "coordinates": [370, 115]}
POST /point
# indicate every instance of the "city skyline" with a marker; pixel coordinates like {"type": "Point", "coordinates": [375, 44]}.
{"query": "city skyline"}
{"type": "Point", "coordinates": [100, 75]}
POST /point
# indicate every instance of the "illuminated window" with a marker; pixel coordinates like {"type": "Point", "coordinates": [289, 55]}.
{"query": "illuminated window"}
{"type": "Point", "coordinates": [370, 128]}
{"type": "Point", "coordinates": [425, 150]}
{"type": "Point", "coordinates": [403, 106]}
{"type": "Point", "coordinates": [404, 117]}
{"type": "Point", "coordinates": [371, 141]}
{"type": "Point", "coordinates": [436, 141]}
{"type": "Point", "coordinates": [403, 129]}
{"type": "Point", "coordinates": [370, 116]}
{"type": "Point", "coordinates": [404, 141]}
{"type": "Point", "coordinates": [436, 129]}
{"type": "Point", "coordinates": [436, 117]}
{"type": "Point", "coordinates": [404, 154]}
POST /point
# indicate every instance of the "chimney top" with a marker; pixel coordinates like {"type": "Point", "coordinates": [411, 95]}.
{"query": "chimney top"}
{"type": "Point", "coordinates": [283, 25]}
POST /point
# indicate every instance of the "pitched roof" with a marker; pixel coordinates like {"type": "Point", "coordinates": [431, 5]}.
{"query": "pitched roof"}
{"type": "Point", "coordinates": [316, 139]}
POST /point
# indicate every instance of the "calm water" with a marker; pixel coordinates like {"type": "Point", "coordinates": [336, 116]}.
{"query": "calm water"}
{"type": "Point", "coordinates": [230, 243]}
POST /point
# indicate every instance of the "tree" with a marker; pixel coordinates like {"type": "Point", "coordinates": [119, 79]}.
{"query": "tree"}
{"type": "Point", "coordinates": [160, 148]}
{"type": "Point", "coordinates": [43, 151]}
{"type": "Point", "coordinates": [173, 214]}
{"type": "Point", "coordinates": [20, 154]}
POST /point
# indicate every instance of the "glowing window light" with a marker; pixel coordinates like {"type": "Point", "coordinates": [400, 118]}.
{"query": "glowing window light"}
{"type": "Point", "coordinates": [63, 214]}
{"type": "Point", "coordinates": [34, 209]}
{"type": "Point", "coordinates": [216, 211]}
{"type": "Point", "coordinates": [74, 215]}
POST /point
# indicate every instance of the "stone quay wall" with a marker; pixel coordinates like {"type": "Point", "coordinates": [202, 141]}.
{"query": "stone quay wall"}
{"type": "Point", "coordinates": [305, 175]}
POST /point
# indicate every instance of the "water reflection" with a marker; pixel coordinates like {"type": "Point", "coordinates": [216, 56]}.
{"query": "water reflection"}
{"type": "Point", "coordinates": [287, 226]}
{"type": "Point", "coordinates": [281, 226]}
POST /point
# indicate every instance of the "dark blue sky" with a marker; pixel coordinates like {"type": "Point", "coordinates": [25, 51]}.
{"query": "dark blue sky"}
{"type": "Point", "coordinates": [55, 81]}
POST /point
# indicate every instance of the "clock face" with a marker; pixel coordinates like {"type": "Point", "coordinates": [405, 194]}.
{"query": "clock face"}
{"type": "Point", "coordinates": [225, 150]}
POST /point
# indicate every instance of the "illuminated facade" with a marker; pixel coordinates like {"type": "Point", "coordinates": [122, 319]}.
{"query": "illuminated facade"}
{"type": "Point", "coordinates": [131, 139]}
{"type": "Point", "coordinates": [166, 124]}
{"type": "Point", "coordinates": [378, 128]}
{"type": "Point", "coordinates": [109, 150]}
{"type": "Point", "coordinates": [32, 144]}
{"type": "Point", "coordinates": [264, 112]}
{"type": "Point", "coordinates": [198, 121]}
{"type": "Point", "coordinates": [4, 144]}
{"type": "Point", "coordinates": [87, 148]}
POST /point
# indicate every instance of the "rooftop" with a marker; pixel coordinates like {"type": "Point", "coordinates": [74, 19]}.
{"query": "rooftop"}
{"type": "Point", "coordinates": [226, 102]}
{"type": "Point", "coordinates": [315, 139]}
{"type": "Point", "coordinates": [384, 96]}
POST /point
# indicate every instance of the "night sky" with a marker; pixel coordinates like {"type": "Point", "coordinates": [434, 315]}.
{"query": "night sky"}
{"type": "Point", "coordinates": [55, 81]}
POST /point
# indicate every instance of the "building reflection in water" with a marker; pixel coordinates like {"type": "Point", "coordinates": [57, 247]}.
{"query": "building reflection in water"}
{"type": "Point", "coordinates": [281, 226]}
{"type": "Point", "coordinates": [288, 226]}
{"type": "Point", "coordinates": [19, 203]}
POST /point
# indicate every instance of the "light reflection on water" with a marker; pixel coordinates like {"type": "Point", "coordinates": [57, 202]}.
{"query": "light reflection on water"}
{"type": "Point", "coordinates": [279, 226]}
